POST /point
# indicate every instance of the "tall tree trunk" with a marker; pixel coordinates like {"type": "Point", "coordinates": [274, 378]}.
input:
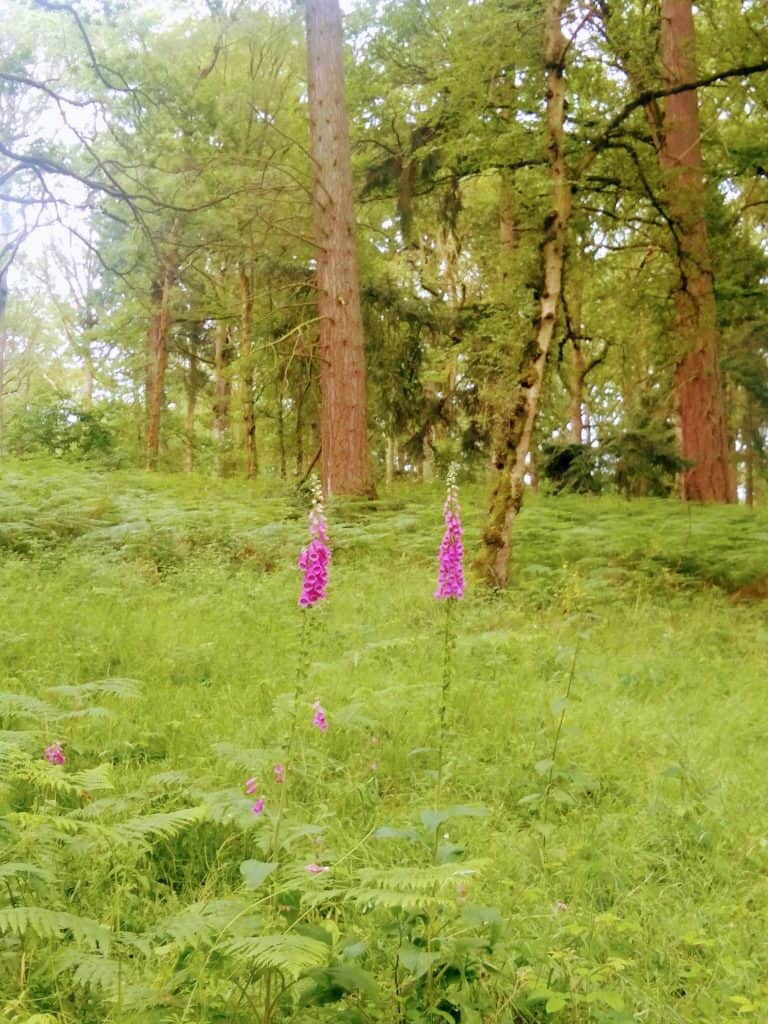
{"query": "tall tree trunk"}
{"type": "Point", "coordinates": [280, 421]}
{"type": "Point", "coordinates": [157, 361]}
{"type": "Point", "coordinates": [344, 432]}
{"type": "Point", "coordinates": [390, 459]}
{"type": "Point", "coordinates": [492, 561]}
{"type": "Point", "coordinates": [576, 394]}
{"type": "Point", "coordinates": [222, 390]}
{"type": "Point", "coordinates": [698, 379]}
{"type": "Point", "coordinates": [3, 345]}
{"type": "Point", "coordinates": [749, 439]}
{"type": "Point", "coordinates": [192, 381]}
{"type": "Point", "coordinates": [509, 228]}
{"type": "Point", "coordinates": [246, 376]}
{"type": "Point", "coordinates": [86, 391]}
{"type": "Point", "coordinates": [300, 432]}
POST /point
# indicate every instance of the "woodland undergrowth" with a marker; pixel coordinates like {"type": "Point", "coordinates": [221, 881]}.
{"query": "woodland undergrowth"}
{"type": "Point", "coordinates": [547, 806]}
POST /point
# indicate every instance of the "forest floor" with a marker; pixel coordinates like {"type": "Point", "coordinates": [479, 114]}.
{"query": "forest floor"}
{"type": "Point", "coordinates": [602, 859]}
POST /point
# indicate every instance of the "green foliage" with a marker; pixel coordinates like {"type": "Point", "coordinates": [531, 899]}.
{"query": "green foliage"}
{"type": "Point", "coordinates": [558, 879]}
{"type": "Point", "coordinates": [60, 427]}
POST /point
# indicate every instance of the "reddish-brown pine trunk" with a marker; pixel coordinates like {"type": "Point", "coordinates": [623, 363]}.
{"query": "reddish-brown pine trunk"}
{"type": "Point", "coordinates": [344, 432]}
{"type": "Point", "coordinates": [698, 379]}
{"type": "Point", "coordinates": [246, 376]}
{"type": "Point", "coordinates": [157, 361]}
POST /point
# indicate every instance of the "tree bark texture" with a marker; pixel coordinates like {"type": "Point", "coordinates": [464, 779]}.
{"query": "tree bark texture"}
{"type": "Point", "coordinates": [222, 388]}
{"type": "Point", "coordinates": [698, 378]}
{"type": "Point", "coordinates": [189, 432]}
{"type": "Point", "coordinates": [492, 561]}
{"type": "Point", "coordinates": [246, 375]}
{"type": "Point", "coordinates": [344, 432]}
{"type": "Point", "coordinates": [157, 361]}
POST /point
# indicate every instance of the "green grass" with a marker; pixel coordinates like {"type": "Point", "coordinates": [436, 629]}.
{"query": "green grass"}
{"type": "Point", "coordinates": [642, 895]}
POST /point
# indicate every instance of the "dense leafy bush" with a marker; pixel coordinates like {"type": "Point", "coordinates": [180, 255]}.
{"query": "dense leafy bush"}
{"type": "Point", "coordinates": [59, 426]}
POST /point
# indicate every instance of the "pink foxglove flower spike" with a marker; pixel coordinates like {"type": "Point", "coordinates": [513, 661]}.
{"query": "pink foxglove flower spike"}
{"type": "Point", "coordinates": [450, 581]}
{"type": "Point", "coordinates": [319, 720]}
{"type": "Point", "coordinates": [54, 754]}
{"type": "Point", "coordinates": [315, 559]}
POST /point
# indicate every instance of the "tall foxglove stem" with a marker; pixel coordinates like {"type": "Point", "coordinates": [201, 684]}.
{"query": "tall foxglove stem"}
{"type": "Point", "coordinates": [449, 648]}
{"type": "Point", "coordinates": [450, 588]}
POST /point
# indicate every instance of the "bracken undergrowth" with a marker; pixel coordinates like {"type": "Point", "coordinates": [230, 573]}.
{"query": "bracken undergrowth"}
{"type": "Point", "coordinates": [573, 831]}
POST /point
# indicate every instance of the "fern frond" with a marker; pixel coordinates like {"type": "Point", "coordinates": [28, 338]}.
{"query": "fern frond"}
{"type": "Point", "coordinates": [430, 879]}
{"type": "Point", "coordinates": [290, 954]}
{"type": "Point", "coordinates": [125, 689]}
{"type": "Point", "coordinates": [19, 869]}
{"type": "Point", "coordinates": [89, 970]}
{"type": "Point", "coordinates": [204, 922]}
{"type": "Point", "coordinates": [165, 825]}
{"type": "Point", "coordinates": [394, 899]}
{"type": "Point", "coordinates": [52, 924]}
{"type": "Point", "coordinates": [94, 711]}
{"type": "Point", "coordinates": [96, 779]}
{"type": "Point", "coordinates": [249, 758]}
{"type": "Point", "coordinates": [19, 705]}
{"type": "Point", "coordinates": [410, 888]}
{"type": "Point", "coordinates": [169, 779]}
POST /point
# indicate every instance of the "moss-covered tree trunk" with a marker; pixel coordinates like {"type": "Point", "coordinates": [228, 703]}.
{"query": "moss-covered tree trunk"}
{"type": "Point", "coordinates": [492, 561]}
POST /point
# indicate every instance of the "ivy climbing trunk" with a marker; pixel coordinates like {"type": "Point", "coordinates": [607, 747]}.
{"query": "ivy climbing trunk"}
{"type": "Point", "coordinates": [698, 378]}
{"type": "Point", "coordinates": [492, 561]}
{"type": "Point", "coordinates": [157, 360]}
{"type": "Point", "coordinates": [343, 432]}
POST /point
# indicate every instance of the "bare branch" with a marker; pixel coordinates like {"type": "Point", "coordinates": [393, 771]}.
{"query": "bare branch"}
{"type": "Point", "coordinates": [649, 95]}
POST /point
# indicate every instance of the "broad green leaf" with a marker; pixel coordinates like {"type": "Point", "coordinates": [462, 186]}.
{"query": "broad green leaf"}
{"type": "Point", "coordinates": [256, 871]}
{"type": "Point", "coordinates": [558, 706]}
{"type": "Point", "coordinates": [556, 1003]}
{"type": "Point", "coordinates": [417, 961]}
{"type": "Point", "coordinates": [387, 832]}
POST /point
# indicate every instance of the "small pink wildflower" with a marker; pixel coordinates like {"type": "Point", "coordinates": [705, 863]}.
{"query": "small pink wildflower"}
{"type": "Point", "coordinates": [251, 786]}
{"type": "Point", "coordinates": [54, 754]}
{"type": "Point", "coordinates": [450, 582]}
{"type": "Point", "coordinates": [317, 869]}
{"type": "Point", "coordinates": [319, 720]}
{"type": "Point", "coordinates": [315, 558]}
{"type": "Point", "coordinates": [373, 766]}
{"type": "Point", "coordinates": [258, 807]}
{"type": "Point", "coordinates": [561, 907]}
{"type": "Point", "coordinates": [279, 773]}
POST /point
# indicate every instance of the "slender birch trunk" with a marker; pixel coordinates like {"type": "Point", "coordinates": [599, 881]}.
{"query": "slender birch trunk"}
{"type": "Point", "coordinates": [492, 561]}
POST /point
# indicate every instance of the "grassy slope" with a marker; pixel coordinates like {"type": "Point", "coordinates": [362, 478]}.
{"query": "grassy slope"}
{"type": "Point", "coordinates": [657, 832]}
